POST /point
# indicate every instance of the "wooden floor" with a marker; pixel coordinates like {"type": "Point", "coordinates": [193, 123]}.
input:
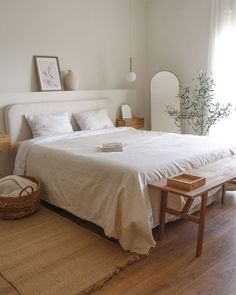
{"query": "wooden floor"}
{"type": "Point", "coordinates": [172, 268]}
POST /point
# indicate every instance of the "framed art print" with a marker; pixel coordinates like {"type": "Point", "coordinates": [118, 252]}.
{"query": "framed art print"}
{"type": "Point", "coordinates": [48, 73]}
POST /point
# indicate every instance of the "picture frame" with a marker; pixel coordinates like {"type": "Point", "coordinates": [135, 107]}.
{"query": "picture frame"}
{"type": "Point", "coordinates": [48, 73]}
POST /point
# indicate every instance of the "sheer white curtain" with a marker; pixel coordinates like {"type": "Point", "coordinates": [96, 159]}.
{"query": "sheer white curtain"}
{"type": "Point", "coordinates": [223, 62]}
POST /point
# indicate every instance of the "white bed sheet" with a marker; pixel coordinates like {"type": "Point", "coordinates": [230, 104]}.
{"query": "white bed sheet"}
{"type": "Point", "coordinates": [110, 189]}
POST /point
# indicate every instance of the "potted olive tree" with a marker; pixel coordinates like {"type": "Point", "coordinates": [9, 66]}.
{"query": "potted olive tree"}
{"type": "Point", "coordinates": [198, 108]}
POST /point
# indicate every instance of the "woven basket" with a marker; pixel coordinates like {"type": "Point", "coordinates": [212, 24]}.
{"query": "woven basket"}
{"type": "Point", "coordinates": [18, 207]}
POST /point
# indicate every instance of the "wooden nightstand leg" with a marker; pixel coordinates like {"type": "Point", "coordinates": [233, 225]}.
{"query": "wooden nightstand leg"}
{"type": "Point", "coordinates": [162, 214]}
{"type": "Point", "coordinates": [201, 224]}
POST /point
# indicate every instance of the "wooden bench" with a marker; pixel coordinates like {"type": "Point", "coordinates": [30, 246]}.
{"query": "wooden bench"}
{"type": "Point", "coordinates": [217, 174]}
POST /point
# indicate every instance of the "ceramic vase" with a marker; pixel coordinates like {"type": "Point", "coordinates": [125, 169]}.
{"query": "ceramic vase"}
{"type": "Point", "coordinates": [70, 81]}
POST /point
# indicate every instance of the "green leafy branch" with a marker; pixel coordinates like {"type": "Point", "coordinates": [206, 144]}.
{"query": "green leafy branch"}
{"type": "Point", "coordinates": [198, 108]}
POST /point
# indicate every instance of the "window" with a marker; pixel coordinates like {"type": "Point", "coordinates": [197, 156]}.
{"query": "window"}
{"type": "Point", "coordinates": [223, 52]}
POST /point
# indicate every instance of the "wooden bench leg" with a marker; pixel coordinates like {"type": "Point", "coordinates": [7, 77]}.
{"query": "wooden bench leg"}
{"type": "Point", "coordinates": [162, 214]}
{"type": "Point", "coordinates": [223, 194]}
{"type": "Point", "coordinates": [201, 224]}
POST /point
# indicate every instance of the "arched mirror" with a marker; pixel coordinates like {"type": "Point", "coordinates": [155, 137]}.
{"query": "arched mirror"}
{"type": "Point", "coordinates": [164, 89]}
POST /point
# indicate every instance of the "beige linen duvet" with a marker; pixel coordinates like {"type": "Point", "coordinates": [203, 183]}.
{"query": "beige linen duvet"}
{"type": "Point", "coordinates": [110, 189]}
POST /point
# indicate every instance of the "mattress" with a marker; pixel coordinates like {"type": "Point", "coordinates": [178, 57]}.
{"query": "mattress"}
{"type": "Point", "coordinates": [110, 189]}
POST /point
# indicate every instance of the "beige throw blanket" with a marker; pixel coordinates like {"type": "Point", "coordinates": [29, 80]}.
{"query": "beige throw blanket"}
{"type": "Point", "coordinates": [12, 185]}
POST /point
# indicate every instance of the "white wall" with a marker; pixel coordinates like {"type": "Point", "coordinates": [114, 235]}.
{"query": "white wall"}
{"type": "Point", "coordinates": [178, 37]}
{"type": "Point", "coordinates": [90, 37]}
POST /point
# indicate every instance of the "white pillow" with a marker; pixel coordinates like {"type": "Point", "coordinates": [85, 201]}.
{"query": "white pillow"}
{"type": "Point", "coordinates": [49, 124]}
{"type": "Point", "coordinates": [93, 120]}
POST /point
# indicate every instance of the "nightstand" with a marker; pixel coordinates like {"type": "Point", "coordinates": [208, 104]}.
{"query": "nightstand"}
{"type": "Point", "coordinates": [4, 141]}
{"type": "Point", "coordinates": [135, 122]}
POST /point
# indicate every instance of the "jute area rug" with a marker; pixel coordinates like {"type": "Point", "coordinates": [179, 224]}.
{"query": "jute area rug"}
{"type": "Point", "coordinates": [48, 254]}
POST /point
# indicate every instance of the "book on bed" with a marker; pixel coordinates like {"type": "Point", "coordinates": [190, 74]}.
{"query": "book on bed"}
{"type": "Point", "coordinates": [112, 147]}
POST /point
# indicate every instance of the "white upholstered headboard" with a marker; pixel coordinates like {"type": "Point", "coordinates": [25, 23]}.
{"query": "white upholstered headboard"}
{"type": "Point", "coordinates": [18, 128]}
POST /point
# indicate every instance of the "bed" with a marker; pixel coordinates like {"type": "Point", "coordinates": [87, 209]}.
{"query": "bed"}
{"type": "Point", "coordinates": [109, 189]}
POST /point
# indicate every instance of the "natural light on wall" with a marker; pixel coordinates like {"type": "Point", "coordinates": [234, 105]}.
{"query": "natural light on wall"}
{"type": "Point", "coordinates": [223, 62]}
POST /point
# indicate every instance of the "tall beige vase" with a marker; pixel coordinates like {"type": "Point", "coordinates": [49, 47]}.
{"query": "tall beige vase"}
{"type": "Point", "coordinates": [71, 82]}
